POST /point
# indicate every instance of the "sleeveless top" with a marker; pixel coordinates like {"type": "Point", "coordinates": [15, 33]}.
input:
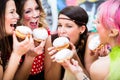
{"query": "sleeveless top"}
{"type": "Point", "coordinates": [114, 64]}
{"type": "Point", "coordinates": [38, 64]}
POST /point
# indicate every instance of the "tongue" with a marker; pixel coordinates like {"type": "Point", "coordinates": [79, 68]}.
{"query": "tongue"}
{"type": "Point", "coordinates": [33, 25]}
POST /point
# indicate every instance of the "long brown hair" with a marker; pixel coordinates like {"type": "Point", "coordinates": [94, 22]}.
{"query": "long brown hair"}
{"type": "Point", "coordinates": [20, 9]}
{"type": "Point", "coordinates": [5, 48]}
{"type": "Point", "coordinates": [80, 17]}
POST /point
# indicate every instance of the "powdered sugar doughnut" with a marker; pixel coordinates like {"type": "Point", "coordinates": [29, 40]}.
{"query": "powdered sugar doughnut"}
{"type": "Point", "coordinates": [63, 54]}
{"type": "Point", "coordinates": [40, 34]}
{"type": "Point", "coordinates": [61, 43]}
{"type": "Point", "coordinates": [94, 42]}
{"type": "Point", "coordinates": [23, 31]}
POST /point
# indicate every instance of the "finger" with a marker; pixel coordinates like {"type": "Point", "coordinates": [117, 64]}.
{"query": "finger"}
{"type": "Point", "coordinates": [92, 53]}
{"type": "Point", "coordinates": [14, 37]}
{"type": "Point", "coordinates": [66, 64]}
{"type": "Point", "coordinates": [42, 44]}
{"type": "Point", "coordinates": [53, 58]}
{"type": "Point", "coordinates": [26, 41]}
{"type": "Point", "coordinates": [52, 52]}
{"type": "Point", "coordinates": [74, 62]}
{"type": "Point", "coordinates": [31, 39]}
{"type": "Point", "coordinates": [51, 48]}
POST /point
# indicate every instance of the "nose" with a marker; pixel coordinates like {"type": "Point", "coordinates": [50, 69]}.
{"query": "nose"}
{"type": "Point", "coordinates": [36, 14]}
{"type": "Point", "coordinates": [16, 16]}
{"type": "Point", "coordinates": [62, 30]}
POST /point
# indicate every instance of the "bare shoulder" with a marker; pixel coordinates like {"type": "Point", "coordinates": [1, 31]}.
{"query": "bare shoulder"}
{"type": "Point", "coordinates": [1, 72]}
{"type": "Point", "coordinates": [100, 68]}
{"type": "Point", "coordinates": [88, 58]}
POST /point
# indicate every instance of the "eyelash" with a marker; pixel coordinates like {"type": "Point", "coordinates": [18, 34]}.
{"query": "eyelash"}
{"type": "Point", "coordinates": [59, 25]}
{"type": "Point", "coordinates": [27, 11]}
{"type": "Point", "coordinates": [12, 12]}
{"type": "Point", "coordinates": [37, 8]}
{"type": "Point", "coordinates": [66, 26]}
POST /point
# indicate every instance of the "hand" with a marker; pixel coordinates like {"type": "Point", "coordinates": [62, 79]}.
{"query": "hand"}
{"type": "Point", "coordinates": [52, 51]}
{"type": "Point", "coordinates": [37, 50]}
{"type": "Point", "coordinates": [22, 47]}
{"type": "Point", "coordinates": [72, 66]}
{"type": "Point", "coordinates": [105, 50]}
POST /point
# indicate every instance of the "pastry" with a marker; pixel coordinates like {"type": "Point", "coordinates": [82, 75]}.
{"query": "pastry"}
{"type": "Point", "coordinates": [61, 43]}
{"type": "Point", "coordinates": [63, 54]}
{"type": "Point", "coordinates": [40, 34]}
{"type": "Point", "coordinates": [23, 31]}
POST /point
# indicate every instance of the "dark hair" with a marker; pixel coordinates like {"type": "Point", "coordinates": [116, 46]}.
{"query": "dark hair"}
{"type": "Point", "coordinates": [80, 17]}
{"type": "Point", "coordinates": [20, 9]}
{"type": "Point", "coordinates": [5, 48]}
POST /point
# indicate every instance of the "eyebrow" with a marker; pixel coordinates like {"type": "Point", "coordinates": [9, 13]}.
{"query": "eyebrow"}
{"type": "Point", "coordinates": [73, 20]}
{"type": "Point", "coordinates": [67, 19]}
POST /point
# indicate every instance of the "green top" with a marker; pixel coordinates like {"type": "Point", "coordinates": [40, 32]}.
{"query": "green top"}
{"type": "Point", "coordinates": [115, 63]}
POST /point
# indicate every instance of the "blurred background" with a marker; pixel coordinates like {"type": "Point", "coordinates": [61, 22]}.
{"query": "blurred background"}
{"type": "Point", "coordinates": [52, 7]}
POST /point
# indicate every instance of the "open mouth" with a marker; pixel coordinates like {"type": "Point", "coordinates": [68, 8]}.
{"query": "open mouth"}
{"type": "Point", "coordinates": [33, 24]}
{"type": "Point", "coordinates": [13, 25]}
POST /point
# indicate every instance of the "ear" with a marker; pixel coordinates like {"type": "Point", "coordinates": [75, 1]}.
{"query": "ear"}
{"type": "Point", "coordinates": [113, 33]}
{"type": "Point", "coordinates": [82, 29]}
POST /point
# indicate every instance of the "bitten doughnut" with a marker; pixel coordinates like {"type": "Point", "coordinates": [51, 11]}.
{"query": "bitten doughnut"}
{"type": "Point", "coordinates": [63, 54]}
{"type": "Point", "coordinates": [40, 34]}
{"type": "Point", "coordinates": [95, 43]}
{"type": "Point", "coordinates": [23, 31]}
{"type": "Point", "coordinates": [61, 43]}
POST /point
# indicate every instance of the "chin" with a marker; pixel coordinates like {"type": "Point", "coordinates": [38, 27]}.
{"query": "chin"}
{"type": "Point", "coordinates": [10, 33]}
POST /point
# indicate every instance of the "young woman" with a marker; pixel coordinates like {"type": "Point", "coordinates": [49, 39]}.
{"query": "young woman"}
{"type": "Point", "coordinates": [10, 56]}
{"type": "Point", "coordinates": [72, 22]}
{"type": "Point", "coordinates": [108, 26]}
{"type": "Point", "coordinates": [108, 22]}
{"type": "Point", "coordinates": [32, 15]}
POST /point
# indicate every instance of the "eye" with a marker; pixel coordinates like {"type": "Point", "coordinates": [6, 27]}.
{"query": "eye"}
{"type": "Point", "coordinates": [59, 26]}
{"type": "Point", "coordinates": [37, 8]}
{"type": "Point", "coordinates": [69, 26]}
{"type": "Point", "coordinates": [12, 12]}
{"type": "Point", "coordinates": [28, 11]}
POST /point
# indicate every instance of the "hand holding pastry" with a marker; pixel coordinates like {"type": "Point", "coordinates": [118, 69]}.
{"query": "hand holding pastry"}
{"type": "Point", "coordinates": [97, 48]}
{"type": "Point", "coordinates": [61, 43]}
{"type": "Point", "coordinates": [22, 32]}
{"type": "Point", "coordinates": [22, 47]}
{"type": "Point", "coordinates": [39, 35]}
{"type": "Point", "coordinates": [60, 52]}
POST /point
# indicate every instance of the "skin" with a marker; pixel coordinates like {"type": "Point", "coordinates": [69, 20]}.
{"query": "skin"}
{"type": "Point", "coordinates": [96, 70]}
{"type": "Point", "coordinates": [1, 71]}
{"type": "Point", "coordinates": [11, 17]}
{"type": "Point", "coordinates": [68, 29]}
{"type": "Point", "coordinates": [31, 19]}
{"type": "Point", "coordinates": [31, 14]}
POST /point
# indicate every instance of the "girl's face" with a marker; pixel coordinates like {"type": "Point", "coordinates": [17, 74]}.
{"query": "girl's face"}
{"type": "Point", "coordinates": [103, 32]}
{"type": "Point", "coordinates": [68, 28]}
{"type": "Point", "coordinates": [11, 17]}
{"type": "Point", "coordinates": [31, 14]}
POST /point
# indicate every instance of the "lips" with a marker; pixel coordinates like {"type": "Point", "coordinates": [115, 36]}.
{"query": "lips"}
{"type": "Point", "coordinates": [33, 25]}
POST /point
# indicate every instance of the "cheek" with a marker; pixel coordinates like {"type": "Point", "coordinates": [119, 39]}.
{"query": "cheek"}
{"type": "Point", "coordinates": [26, 17]}
{"type": "Point", "coordinates": [74, 36]}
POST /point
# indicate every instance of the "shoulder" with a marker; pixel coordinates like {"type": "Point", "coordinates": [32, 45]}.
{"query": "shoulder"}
{"type": "Point", "coordinates": [100, 68]}
{"type": "Point", "coordinates": [0, 58]}
{"type": "Point", "coordinates": [0, 61]}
